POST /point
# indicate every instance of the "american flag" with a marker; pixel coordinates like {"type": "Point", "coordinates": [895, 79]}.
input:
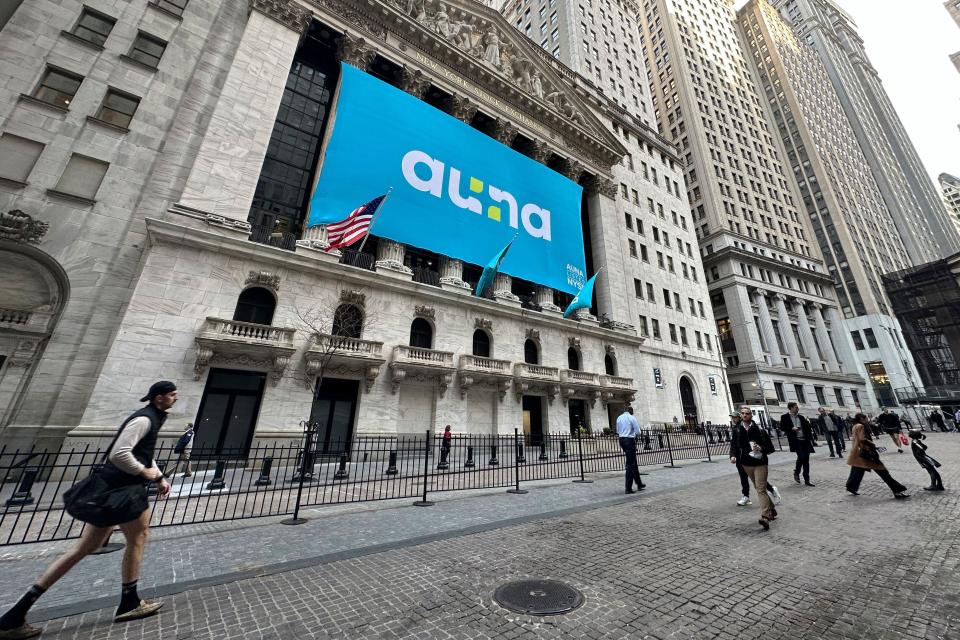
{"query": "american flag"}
{"type": "Point", "coordinates": [354, 226]}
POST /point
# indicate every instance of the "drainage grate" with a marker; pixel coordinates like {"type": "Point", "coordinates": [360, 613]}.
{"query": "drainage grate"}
{"type": "Point", "coordinates": [538, 597]}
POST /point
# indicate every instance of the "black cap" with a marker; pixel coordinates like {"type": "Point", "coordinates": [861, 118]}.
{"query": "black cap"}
{"type": "Point", "coordinates": [158, 389]}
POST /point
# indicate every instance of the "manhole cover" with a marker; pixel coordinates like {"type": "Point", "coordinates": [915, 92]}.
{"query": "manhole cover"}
{"type": "Point", "coordinates": [538, 597]}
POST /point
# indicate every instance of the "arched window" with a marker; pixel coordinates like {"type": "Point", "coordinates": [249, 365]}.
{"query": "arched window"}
{"type": "Point", "coordinates": [421, 334]}
{"type": "Point", "coordinates": [573, 359]}
{"type": "Point", "coordinates": [531, 353]}
{"type": "Point", "coordinates": [609, 365]}
{"type": "Point", "coordinates": [481, 343]}
{"type": "Point", "coordinates": [347, 321]}
{"type": "Point", "coordinates": [688, 400]}
{"type": "Point", "coordinates": [256, 305]}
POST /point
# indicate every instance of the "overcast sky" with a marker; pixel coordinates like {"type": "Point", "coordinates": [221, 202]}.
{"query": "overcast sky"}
{"type": "Point", "coordinates": [909, 42]}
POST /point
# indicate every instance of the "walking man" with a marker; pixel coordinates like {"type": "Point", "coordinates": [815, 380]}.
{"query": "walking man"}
{"type": "Point", "coordinates": [129, 463]}
{"type": "Point", "coordinates": [800, 437]}
{"type": "Point", "coordinates": [749, 447]}
{"type": "Point", "coordinates": [937, 419]}
{"type": "Point", "coordinates": [744, 500]}
{"type": "Point", "coordinates": [826, 427]}
{"type": "Point", "coordinates": [837, 434]}
{"type": "Point", "coordinates": [628, 429]}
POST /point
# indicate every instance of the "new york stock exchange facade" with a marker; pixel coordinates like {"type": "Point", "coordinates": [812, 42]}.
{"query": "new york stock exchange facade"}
{"type": "Point", "coordinates": [213, 278]}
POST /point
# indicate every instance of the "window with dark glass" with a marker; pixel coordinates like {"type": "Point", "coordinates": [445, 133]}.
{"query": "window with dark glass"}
{"type": "Point", "coordinates": [175, 7]}
{"type": "Point", "coordinates": [421, 334]}
{"type": "Point", "coordinates": [531, 354]}
{"type": "Point", "coordinates": [778, 387]}
{"type": "Point", "coordinates": [93, 26]}
{"type": "Point", "coordinates": [857, 340]}
{"type": "Point", "coordinates": [821, 398]}
{"type": "Point", "coordinates": [147, 49]}
{"type": "Point", "coordinates": [871, 339]}
{"type": "Point", "coordinates": [481, 343]}
{"type": "Point", "coordinates": [801, 396]}
{"type": "Point", "coordinates": [118, 108]}
{"type": "Point", "coordinates": [838, 393]}
{"type": "Point", "coordinates": [255, 305]}
{"type": "Point", "coordinates": [609, 365]}
{"type": "Point", "coordinates": [573, 359]}
{"type": "Point", "coordinates": [347, 321]}
{"type": "Point", "coordinates": [58, 87]}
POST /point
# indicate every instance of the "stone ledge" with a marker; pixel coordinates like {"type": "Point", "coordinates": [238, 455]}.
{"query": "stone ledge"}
{"type": "Point", "coordinates": [77, 39]}
{"type": "Point", "coordinates": [72, 197]}
{"type": "Point", "coordinates": [25, 97]}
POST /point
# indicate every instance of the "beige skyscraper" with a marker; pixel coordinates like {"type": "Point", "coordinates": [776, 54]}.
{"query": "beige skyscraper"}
{"type": "Point", "coordinates": [950, 185]}
{"type": "Point", "coordinates": [850, 220]}
{"type": "Point", "coordinates": [781, 330]}
{"type": "Point", "coordinates": [906, 187]}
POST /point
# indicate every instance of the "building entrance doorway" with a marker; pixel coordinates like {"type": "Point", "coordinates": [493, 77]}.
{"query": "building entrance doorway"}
{"type": "Point", "coordinates": [688, 401]}
{"type": "Point", "coordinates": [533, 428]}
{"type": "Point", "coordinates": [333, 410]}
{"type": "Point", "coordinates": [228, 413]}
{"type": "Point", "coordinates": [578, 414]}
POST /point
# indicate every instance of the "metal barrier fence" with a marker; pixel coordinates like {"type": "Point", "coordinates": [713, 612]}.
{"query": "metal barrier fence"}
{"type": "Point", "coordinates": [280, 479]}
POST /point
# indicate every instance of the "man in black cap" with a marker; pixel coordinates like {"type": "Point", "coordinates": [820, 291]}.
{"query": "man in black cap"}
{"type": "Point", "coordinates": [129, 463]}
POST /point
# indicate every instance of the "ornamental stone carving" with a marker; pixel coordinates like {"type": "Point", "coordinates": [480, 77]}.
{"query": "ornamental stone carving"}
{"type": "Point", "coordinates": [541, 152]}
{"type": "Point", "coordinates": [17, 226]}
{"type": "Point", "coordinates": [287, 12]}
{"type": "Point", "coordinates": [573, 169]}
{"type": "Point", "coordinates": [574, 342]}
{"type": "Point", "coordinates": [414, 82]}
{"type": "Point", "coordinates": [533, 334]}
{"type": "Point", "coordinates": [356, 51]}
{"type": "Point", "coordinates": [357, 298]}
{"type": "Point", "coordinates": [463, 108]}
{"type": "Point", "coordinates": [483, 323]}
{"type": "Point", "coordinates": [505, 132]}
{"type": "Point", "coordinates": [263, 279]}
{"type": "Point", "coordinates": [423, 311]}
{"type": "Point", "coordinates": [608, 188]}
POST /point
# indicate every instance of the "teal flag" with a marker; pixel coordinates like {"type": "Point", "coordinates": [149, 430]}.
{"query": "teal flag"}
{"type": "Point", "coordinates": [490, 271]}
{"type": "Point", "coordinates": [584, 299]}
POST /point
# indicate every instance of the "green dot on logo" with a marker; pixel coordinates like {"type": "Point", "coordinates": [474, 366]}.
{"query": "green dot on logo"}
{"type": "Point", "coordinates": [476, 185]}
{"type": "Point", "coordinates": [493, 213]}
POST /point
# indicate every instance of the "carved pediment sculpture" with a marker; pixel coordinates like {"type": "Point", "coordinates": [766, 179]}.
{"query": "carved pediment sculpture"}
{"type": "Point", "coordinates": [17, 226]}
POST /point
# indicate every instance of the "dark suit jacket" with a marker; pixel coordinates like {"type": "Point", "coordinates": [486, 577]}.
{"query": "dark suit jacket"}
{"type": "Point", "coordinates": [786, 425]}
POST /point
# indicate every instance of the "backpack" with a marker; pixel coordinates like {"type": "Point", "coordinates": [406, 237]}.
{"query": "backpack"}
{"type": "Point", "coordinates": [183, 441]}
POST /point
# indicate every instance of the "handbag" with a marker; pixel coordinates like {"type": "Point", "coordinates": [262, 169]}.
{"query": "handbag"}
{"type": "Point", "coordinates": [97, 502]}
{"type": "Point", "coordinates": [869, 454]}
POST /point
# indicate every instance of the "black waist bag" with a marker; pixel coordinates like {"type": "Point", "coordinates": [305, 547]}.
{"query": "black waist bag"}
{"type": "Point", "coordinates": [96, 501]}
{"type": "Point", "coordinates": [106, 499]}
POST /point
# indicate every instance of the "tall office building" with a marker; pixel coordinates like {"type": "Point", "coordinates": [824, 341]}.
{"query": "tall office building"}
{"type": "Point", "coordinates": [950, 185]}
{"type": "Point", "coordinates": [781, 330]}
{"type": "Point", "coordinates": [906, 188]}
{"type": "Point", "coordinates": [953, 6]}
{"type": "Point", "coordinates": [856, 234]}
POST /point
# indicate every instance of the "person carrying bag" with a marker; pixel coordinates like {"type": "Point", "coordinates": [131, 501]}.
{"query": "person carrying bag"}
{"type": "Point", "coordinates": [114, 494]}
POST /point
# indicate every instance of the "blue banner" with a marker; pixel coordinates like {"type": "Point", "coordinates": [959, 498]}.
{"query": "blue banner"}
{"type": "Point", "coordinates": [456, 191]}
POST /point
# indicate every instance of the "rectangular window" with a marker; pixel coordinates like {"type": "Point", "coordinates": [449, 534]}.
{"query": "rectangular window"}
{"type": "Point", "coordinates": [700, 309]}
{"type": "Point", "coordinates": [857, 340]}
{"type": "Point", "coordinates": [838, 393]}
{"type": "Point", "coordinates": [699, 338]}
{"type": "Point", "coordinates": [147, 49]}
{"type": "Point", "coordinates": [871, 339]}
{"type": "Point", "coordinates": [673, 332]}
{"type": "Point", "coordinates": [644, 331]}
{"type": "Point", "coordinates": [778, 387]}
{"type": "Point", "coordinates": [629, 221]}
{"type": "Point", "coordinates": [660, 262]}
{"type": "Point", "coordinates": [638, 288]}
{"type": "Point", "coordinates": [656, 329]}
{"type": "Point", "coordinates": [118, 108]}
{"type": "Point", "coordinates": [683, 337]}
{"type": "Point", "coordinates": [643, 253]}
{"type": "Point", "coordinates": [736, 393]}
{"type": "Point", "coordinates": [856, 397]}
{"type": "Point", "coordinates": [175, 7]}
{"type": "Point", "coordinates": [666, 298]}
{"type": "Point", "coordinates": [58, 87]}
{"type": "Point", "coordinates": [82, 177]}
{"type": "Point", "coordinates": [670, 264]}
{"type": "Point", "coordinates": [693, 309]}
{"type": "Point", "coordinates": [821, 399]}
{"type": "Point", "coordinates": [801, 396]}
{"type": "Point", "coordinates": [650, 296]}
{"type": "Point", "coordinates": [93, 26]}
{"type": "Point", "coordinates": [676, 302]}
{"type": "Point", "coordinates": [633, 248]}
{"type": "Point", "coordinates": [17, 157]}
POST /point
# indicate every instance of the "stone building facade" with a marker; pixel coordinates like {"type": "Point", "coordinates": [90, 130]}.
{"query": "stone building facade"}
{"type": "Point", "coordinates": [163, 154]}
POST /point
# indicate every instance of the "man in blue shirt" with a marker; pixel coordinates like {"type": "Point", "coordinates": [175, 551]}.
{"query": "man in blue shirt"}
{"type": "Point", "coordinates": [628, 429]}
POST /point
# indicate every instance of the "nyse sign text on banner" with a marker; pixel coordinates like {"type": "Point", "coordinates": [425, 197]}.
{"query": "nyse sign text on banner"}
{"type": "Point", "coordinates": [456, 191]}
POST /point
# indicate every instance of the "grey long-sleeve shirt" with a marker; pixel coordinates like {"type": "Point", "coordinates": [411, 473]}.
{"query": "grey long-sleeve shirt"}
{"type": "Point", "coordinates": [121, 455]}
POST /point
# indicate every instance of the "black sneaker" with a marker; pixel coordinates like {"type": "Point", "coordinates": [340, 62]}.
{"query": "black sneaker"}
{"type": "Point", "coordinates": [901, 496]}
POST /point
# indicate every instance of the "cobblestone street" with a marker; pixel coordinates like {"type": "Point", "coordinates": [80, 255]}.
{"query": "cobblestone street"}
{"type": "Point", "coordinates": [682, 562]}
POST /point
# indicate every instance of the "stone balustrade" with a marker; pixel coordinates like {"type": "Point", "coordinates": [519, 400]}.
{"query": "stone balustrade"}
{"type": "Point", "coordinates": [248, 331]}
{"type": "Point", "coordinates": [342, 345]}
{"type": "Point", "coordinates": [485, 365]}
{"type": "Point", "coordinates": [420, 356]}
{"type": "Point", "coordinates": [616, 382]}
{"type": "Point", "coordinates": [14, 316]}
{"type": "Point", "coordinates": [259, 345]}
{"type": "Point", "coordinates": [572, 376]}
{"type": "Point", "coordinates": [536, 371]}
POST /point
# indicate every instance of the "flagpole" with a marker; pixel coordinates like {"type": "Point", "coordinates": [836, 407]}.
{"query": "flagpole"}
{"type": "Point", "coordinates": [376, 214]}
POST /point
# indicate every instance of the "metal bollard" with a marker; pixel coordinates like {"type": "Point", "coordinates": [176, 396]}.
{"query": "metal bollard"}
{"type": "Point", "coordinates": [543, 451]}
{"type": "Point", "coordinates": [493, 456]}
{"type": "Point", "coordinates": [23, 494]}
{"type": "Point", "coordinates": [392, 464]}
{"type": "Point", "coordinates": [265, 469]}
{"type": "Point", "coordinates": [341, 473]}
{"type": "Point", "coordinates": [217, 482]}
{"type": "Point", "coordinates": [563, 450]}
{"type": "Point", "coordinates": [520, 457]}
{"type": "Point", "coordinates": [469, 464]}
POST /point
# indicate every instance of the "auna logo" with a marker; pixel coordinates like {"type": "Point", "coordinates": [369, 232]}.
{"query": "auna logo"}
{"type": "Point", "coordinates": [535, 220]}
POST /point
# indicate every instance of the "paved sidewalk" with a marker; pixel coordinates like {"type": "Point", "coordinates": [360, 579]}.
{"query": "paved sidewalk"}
{"type": "Point", "coordinates": [185, 556]}
{"type": "Point", "coordinates": [682, 562]}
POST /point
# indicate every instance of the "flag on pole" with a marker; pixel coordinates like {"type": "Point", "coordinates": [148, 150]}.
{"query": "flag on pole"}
{"type": "Point", "coordinates": [490, 271]}
{"type": "Point", "coordinates": [584, 298]}
{"type": "Point", "coordinates": [354, 226]}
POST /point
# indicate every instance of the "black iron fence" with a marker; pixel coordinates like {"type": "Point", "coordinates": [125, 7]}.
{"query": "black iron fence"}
{"type": "Point", "coordinates": [280, 479]}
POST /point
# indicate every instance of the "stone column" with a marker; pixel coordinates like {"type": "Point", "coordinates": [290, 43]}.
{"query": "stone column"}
{"type": "Point", "coordinates": [451, 273]}
{"type": "Point", "coordinates": [390, 257]}
{"type": "Point", "coordinates": [227, 166]}
{"type": "Point", "coordinates": [806, 337]}
{"type": "Point", "coordinates": [786, 331]}
{"type": "Point", "coordinates": [501, 288]}
{"type": "Point", "coordinates": [463, 108]}
{"type": "Point", "coordinates": [745, 331]}
{"type": "Point", "coordinates": [833, 364]}
{"type": "Point", "coordinates": [766, 326]}
{"type": "Point", "coordinates": [544, 299]}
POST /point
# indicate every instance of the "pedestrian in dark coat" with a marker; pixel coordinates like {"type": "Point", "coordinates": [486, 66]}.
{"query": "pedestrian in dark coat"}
{"type": "Point", "coordinates": [800, 436]}
{"type": "Point", "coordinates": [929, 464]}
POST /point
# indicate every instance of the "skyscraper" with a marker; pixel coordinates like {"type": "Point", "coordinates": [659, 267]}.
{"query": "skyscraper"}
{"type": "Point", "coordinates": [953, 6]}
{"type": "Point", "coordinates": [906, 188]}
{"type": "Point", "coordinates": [853, 227]}
{"type": "Point", "coordinates": [950, 185]}
{"type": "Point", "coordinates": [781, 330]}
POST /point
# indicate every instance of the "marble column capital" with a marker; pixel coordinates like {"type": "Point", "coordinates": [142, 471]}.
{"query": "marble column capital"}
{"type": "Point", "coordinates": [463, 108]}
{"type": "Point", "coordinates": [505, 131]}
{"type": "Point", "coordinates": [289, 13]}
{"type": "Point", "coordinates": [356, 51]}
{"type": "Point", "coordinates": [541, 152]}
{"type": "Point", "coordinates": [414, 82]}
{"type": "Point", "coordinates": [573, 169]}
{"type": "Point", "coordinates": [762, 293]}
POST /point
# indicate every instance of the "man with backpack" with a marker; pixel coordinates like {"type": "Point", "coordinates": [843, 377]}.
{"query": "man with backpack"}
{"type": "Point", "coordinates": [183, 448]}
{"type": "Point", "coordinates": [114, 495]}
